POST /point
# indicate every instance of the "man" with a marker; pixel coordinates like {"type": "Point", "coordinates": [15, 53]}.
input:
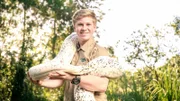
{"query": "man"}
{"type": "Point", "coordinates": [84, 22]}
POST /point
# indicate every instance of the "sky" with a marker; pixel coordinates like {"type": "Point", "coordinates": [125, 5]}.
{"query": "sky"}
{"type": "Point", "coordinates": [125, 16]}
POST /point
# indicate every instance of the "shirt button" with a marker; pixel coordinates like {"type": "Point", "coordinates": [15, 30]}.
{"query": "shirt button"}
{"type": "Point", "coordinates": [83, 59]}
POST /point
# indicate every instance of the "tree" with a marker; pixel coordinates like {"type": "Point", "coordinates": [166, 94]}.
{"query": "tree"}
{"type": "Point", "coordinates": [23, 23]}
{"type": "Point", "coordinates": [176, 25]}
{"type": "Point", "coordinates": [150, 46]}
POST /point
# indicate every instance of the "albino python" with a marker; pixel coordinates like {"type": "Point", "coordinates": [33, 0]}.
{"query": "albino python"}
{"type": "Point", "coordinates": [103, 66]}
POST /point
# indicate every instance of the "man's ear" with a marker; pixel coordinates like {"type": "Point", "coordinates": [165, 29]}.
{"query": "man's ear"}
{"type": "Point", "coordinates": [95, 27]}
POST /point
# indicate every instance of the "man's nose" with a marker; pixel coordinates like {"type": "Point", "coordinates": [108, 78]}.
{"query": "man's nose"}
{"type": "Point", "coordinates": [84, 27]}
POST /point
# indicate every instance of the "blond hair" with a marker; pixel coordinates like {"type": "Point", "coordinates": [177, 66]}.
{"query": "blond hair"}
{"type": "Point", "coordinates": [84, 13]}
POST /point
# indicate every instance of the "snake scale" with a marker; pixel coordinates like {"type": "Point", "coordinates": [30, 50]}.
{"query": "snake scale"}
{"type": "Point", "coordinates": [102, 65]}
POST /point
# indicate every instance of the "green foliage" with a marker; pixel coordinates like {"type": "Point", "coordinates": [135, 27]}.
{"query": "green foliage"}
{"type": "Point", "coordinates": [145, 47]}
{"type": "Point", "coordinates": [167, 87]}
{"type": "Point", "coordinates": [143, 85]}
{"type": "Point", "coordinates": [7, 72]}
{"type": "Point", "coordinates": [150, 83]}
{"type": "Point", "coordinates": [176, 25]}
{"type": "Point", "coordinates": [24, 43]}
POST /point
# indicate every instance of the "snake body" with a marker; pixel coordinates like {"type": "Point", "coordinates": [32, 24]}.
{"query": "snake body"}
{"type": "Point", "coordinates": [102, 65]}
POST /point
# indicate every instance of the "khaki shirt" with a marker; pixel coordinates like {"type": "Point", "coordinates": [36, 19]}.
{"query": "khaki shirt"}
{"type": "Point", "coordinates": [83, 55]}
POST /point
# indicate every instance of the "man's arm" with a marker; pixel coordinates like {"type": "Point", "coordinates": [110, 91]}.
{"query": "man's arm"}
{"type": "Point", "coordinates": [49, 83]}
{"type": "Point", "coordinates": [88, 82]}
{"type": "Point", "coordinates": [94, 83]}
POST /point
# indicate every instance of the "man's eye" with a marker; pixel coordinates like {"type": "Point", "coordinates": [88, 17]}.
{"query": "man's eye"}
{"type": "Point", "coordinates": [88, 24]}
{"type": "Point", "coordinates": [80, 24]}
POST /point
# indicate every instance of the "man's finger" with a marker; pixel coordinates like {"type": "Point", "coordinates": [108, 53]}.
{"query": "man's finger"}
{"type": "Point", "coordinates": [60, 73]}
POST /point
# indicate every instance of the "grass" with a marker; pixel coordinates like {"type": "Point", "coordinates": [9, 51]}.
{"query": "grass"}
{"type": "Point", "coordinates": [161, 84]}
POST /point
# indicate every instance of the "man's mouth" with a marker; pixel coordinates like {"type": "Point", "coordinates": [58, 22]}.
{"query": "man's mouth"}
{"type": "Point", "coordinates": [84, 32]}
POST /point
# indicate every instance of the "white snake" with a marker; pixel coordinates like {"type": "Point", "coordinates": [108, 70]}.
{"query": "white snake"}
{"type": "Point", "coordinates": [102, 65]}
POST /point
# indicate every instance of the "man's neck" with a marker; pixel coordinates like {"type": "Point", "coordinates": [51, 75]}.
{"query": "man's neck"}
{"type": "Point", "coordinates": [81, 43]}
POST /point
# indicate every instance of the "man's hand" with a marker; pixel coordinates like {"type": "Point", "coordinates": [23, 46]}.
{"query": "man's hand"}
{"type": "Point", "coordinates": [37, 82]}
{"type": "Point", "coordinates": [61, 75]}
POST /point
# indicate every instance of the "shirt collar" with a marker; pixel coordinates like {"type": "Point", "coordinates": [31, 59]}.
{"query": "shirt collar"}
{"type": "Point", "coordinates": [86, 47]}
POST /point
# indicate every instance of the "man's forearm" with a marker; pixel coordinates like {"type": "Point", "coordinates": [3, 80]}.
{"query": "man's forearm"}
{"type": "Point", "coordinates": [94, 83]}
{"type": "Point", "coordinates": [51, 83]}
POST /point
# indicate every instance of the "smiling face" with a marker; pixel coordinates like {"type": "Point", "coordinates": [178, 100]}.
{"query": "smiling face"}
{"type": "Point", "coordinates": [84, 27]}
{"type": "Point", "coordinates": [84, 22]}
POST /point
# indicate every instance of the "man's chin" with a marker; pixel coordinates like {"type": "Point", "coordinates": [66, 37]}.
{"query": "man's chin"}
{"type": "Point", "coordinates": [84, 36]}
{"type": "Point", "coordinates": [85, 39]}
